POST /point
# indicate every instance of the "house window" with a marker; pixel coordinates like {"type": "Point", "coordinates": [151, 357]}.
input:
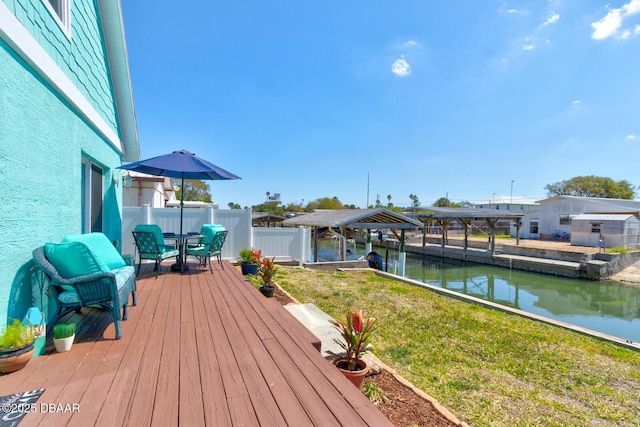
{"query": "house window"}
{"type": "Point", "coordinates": [61, 10]}
{"type": "Point", "coordinates": [595, 227]}
{"type": "Point", "coordinates": [533, 227]}
{"type": "Point", "coordinates": [92, 192]}
{"type": "Point", "coordinates": [565, 220]}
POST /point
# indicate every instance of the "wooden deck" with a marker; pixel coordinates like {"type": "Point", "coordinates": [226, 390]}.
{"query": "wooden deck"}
{"type": "Point", "coordinates": [198, 349]}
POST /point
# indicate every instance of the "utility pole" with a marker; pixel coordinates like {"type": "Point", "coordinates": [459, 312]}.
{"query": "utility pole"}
{"type": "Point", "coordinates": [367, 206]}
{"type": "Point", "coordinates": [511, 201]}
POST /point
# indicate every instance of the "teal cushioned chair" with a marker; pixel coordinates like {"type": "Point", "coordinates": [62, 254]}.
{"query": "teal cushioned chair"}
{"type": "Point", "coordinates": [211, 246]}
{"type": "Point", "coordinates": [150, 245]}
{"type": "Point", "coordinates": [208, 231]}
{"type": "Point", "coordinates": [79, 276]}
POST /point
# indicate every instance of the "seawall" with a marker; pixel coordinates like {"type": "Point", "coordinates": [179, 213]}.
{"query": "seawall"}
{"type": "Point", "coordinates": [573, 264]}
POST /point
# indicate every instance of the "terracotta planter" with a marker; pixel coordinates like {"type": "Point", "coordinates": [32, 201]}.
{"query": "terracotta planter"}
{"type": "Point", "coordinates": [267, 291]}
{"type": "Point", "coordinates": [64, 344]}
{"type": "Point", "coordinates": [16, 359]}
{"type": "Point", "coordinates": [249, 269]}
{"type": "Point", "coordinates": [356, 377]}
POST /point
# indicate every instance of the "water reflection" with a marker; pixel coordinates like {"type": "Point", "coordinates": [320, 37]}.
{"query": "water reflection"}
{"type": "Point", "coordinates": [608, 307]}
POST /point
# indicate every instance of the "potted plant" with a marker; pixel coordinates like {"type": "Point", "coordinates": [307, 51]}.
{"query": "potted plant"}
{"type": "Point", "coordinates": [63, 336]}
{"type": "Point", "coordinates": [16, 346]}
{"type": "Point", "coordinates": [249, 260]}
{"type": "Point", "coordinates": [266, 270]}
{"type": "Point", "coordinates": [356, 332]}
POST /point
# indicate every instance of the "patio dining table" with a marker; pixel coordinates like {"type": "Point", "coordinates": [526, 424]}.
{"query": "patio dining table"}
{"type": "Point", "coordinates": [181, 242]}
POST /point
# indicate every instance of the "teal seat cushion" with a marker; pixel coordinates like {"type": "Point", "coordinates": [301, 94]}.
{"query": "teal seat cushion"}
{"type": "Point", "coordinates": [202, 251]}
{"type": "Point", "coordinates": [166, 251]}
{"type": "Point", "coordinates": [123, 274]}
{"type": "Point", "coordinates": [69, 297]}
{"type": "Point", "coordinates": [208, 232]}
{"type": "Point", "coordinates": [73, 259]}
{"type": "Point", "coordinates": [169, 250]}
{"type": "Point", "coordinates": [101, 248]}
{"type": "Point", "coordinates": [155, 229]}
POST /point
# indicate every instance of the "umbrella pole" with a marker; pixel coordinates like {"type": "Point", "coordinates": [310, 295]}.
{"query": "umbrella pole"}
{"type": "Point", "coordinates": [181, 201]}
{"type": "Point", "coordinates": [183, 244]}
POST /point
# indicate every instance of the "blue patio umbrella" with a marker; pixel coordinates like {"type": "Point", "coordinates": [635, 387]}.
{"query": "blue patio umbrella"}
{"type": "Point", "coordinates": [180, 164]}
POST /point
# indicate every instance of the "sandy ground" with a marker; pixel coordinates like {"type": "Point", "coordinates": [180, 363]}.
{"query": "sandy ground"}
{"type": "Point", "coordinates": [544, 244]}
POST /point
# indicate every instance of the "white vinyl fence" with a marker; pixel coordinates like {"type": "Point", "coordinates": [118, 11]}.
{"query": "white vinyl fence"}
{"type": "Point", "coordinates": [284, 243]}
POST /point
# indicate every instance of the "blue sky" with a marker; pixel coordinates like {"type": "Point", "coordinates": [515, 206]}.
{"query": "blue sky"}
{"type": "Point", "coordinates": [316, 99]}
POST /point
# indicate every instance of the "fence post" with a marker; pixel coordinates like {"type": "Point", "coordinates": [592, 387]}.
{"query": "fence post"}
{"type": "Point", "coordinates": [147, 213]}
{"type": "Point", "coordinates": [402, 261]}
{"type": "Point", "coordinates": [249, 226]}
{"type": "Point", "coordinates": [303, 245]}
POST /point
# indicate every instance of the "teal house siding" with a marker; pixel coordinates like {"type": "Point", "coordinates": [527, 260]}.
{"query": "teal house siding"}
{"type": "Point", "coordinates": [59, 118]}
{"type": "Point", "coordinates": [81, 55]}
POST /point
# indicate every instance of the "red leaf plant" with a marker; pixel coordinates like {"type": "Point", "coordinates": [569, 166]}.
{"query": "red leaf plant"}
{"type": "Point", "coordinates": [356, 332]}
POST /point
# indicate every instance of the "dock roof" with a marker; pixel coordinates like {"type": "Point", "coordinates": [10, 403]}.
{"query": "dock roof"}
{"type": "Point", "coordinates": [265, 217]}
{"type": "Point", "coordinates": [431, 212]}
{"type": "Point", "coordinates": [355, 218]}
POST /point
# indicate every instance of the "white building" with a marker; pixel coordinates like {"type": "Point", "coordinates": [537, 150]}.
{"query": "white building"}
{"type": "Point", "coordinates": [140, 189]}
{"type": "Point", "coordinates": [508, 203]}
{"type": "Point", "coordinates": [553, 219]}
{"type": "Point", "coordinates": [606, 230]}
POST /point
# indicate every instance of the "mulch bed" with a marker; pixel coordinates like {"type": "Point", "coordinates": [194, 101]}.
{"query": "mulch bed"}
{"type": "Point", "coordinates": [403, 406]}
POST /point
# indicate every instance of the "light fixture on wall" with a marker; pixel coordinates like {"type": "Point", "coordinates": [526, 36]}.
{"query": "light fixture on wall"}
{"type": "Point", "coordinates": [115, 180]}
{"type": "Point", "coordinates": [127, 180]}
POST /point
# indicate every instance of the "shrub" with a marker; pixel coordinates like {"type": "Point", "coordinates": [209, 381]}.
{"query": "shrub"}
{"type": "Point", "coordinates": [17, 335]}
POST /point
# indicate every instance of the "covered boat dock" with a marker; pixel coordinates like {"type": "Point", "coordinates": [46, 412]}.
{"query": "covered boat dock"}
{"type": "Point", "coordinates": [339, 221]}
{"type": "Point", "coordinates": [466, 217]}
{"type": "Point", "coordinates": [264, 219]}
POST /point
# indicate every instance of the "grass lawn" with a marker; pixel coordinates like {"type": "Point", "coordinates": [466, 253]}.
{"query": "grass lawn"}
{"type": "Point", "coordinates": [487, 367]}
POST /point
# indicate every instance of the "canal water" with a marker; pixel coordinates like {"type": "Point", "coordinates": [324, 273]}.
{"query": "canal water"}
{"type": "Point", "coordinates": [604, 306]}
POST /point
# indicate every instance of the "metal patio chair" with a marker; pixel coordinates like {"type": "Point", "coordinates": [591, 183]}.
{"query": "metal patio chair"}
{"type": "Point", "coordinates": [148, 247]}
{"type": "Point", "coordinates": [211, 249]}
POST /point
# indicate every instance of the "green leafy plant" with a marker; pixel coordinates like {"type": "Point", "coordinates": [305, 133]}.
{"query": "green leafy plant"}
{"type": "Point", "coordinates": [266, 270]}
{"type": "Point", "coordinates": [64, 330]}
{"type": "Point", "coordinates": [17, 335]}
{"type": "Point", "coordinates": [249, 256]}
{"type": "Point", "coordinates": [356, 332]}
{"type": "Point", "coordinates": [374, 393]}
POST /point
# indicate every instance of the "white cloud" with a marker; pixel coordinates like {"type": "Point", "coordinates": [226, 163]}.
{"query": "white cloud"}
{"type": "Point", "coordinates": [537, 37]}
{"type": "Point", "coordinates": [609, 25]}
{"type": "Point", "coordinates": [551, 19]}
{"type": "Point", "coordinates": [504, 8]}
{"type": "Point", "coordinates": [631, 136]}
{"type": "Point", "coordinates": [632, 7]}
{"type": "Point", "coordinates": [410, 43]}
{"type": "Point", "coordinates": [576, 102]}
{"type": "Point", "coordinates": [401, 67]}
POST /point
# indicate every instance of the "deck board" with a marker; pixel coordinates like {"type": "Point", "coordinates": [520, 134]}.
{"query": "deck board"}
{"type": "Point", "coordinates": [167, 392]}
{"type": "Point", "coordinates": [216, 409]}
{"type": "Point", "coordinates": [140, 409]}
{"type": "Point", "coordinates": [199, 349]}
